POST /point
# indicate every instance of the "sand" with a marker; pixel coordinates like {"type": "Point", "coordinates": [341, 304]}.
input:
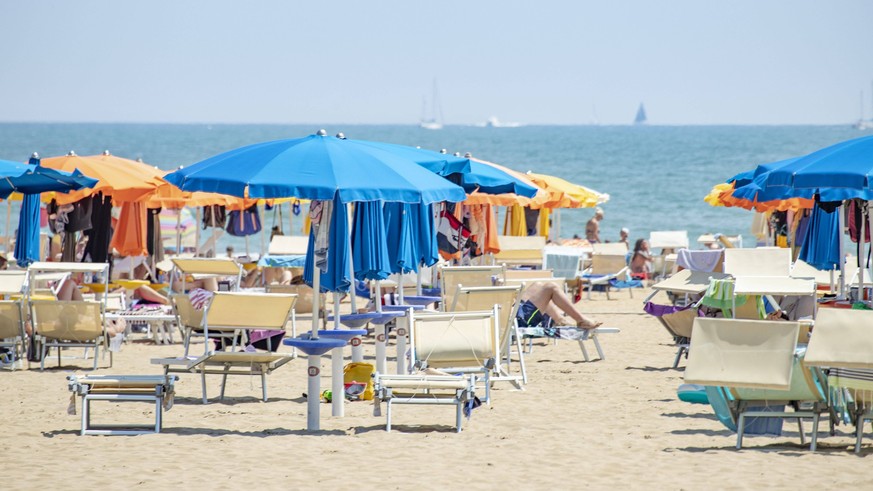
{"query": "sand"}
{"type": "Point", "coordinates": [603, 424]}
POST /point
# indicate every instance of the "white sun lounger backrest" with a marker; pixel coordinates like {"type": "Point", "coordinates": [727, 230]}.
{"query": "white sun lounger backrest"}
{"type": "Point", "coordinates": [520, 250]}
{"type": "Point", "coordinates": [763, 261]}
{"type": "Point", "coordinates": [801, 269]}
{"type": "Point", "coordinates": [773, 285]}
{"type": "Point", "coordinates": [13, 282]}
{"type": "Point", "coordinates": [687, 281]}
{"type": "Point", "coordinates": [484, 298]}
{"type": "Point", "coordinates": [742, 353]}
{"type": "Point", "coordinates": [843, 338]}
{"type": "Point", "coordinates": [68, 320]}
{"type": "Point", "coordinates": [233, 310]}
{"type": "Point", "coordinates": [289, 245]}
{"type": "Point", "coordinates": [613, 248]}
{"type": "Point", "coordinates": [11, 325]}
{"type": "Point", "coordinates": [451, 277]}
{"type": "Point", "coordinates": [669, 239]}
{"type": "Point", "coordinates": [455, 339]}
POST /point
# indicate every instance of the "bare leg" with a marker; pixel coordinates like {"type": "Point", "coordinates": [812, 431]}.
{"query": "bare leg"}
{"type": "Point", "coordinates": [69, 291]}
{"type": "Point", "coordinates": [148, 293]}
{"type": "Point", "coordinates": [555, 303]}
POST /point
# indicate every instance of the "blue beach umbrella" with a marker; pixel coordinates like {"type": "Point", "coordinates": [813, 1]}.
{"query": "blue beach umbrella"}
{"type": "Point", "coordinates": [336, 278]}
{"type": "Point", "coordinates": [369, 242]}
{"type": "Point", "coordinates": [491, 180]}
{"type": "Point", "coordinates": [821, 246]}
{"type": "Point", "coordinates": [321, 167]}
{"type": "Point", "coordinates": [403, 247]}
{"type": "Point", "coordinates": [31, 178]}
{"type": "Point", "coordinates": [27, 237]}
{"type": "Point", "coordinates": [836, 173]}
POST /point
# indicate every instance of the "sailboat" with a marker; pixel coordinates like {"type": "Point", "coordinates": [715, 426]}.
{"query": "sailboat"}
{"type": "Point", "coordinates": [641, 115]}
{"type": "Point", "coordinates": [432, 122]}
{"type": "Point", "coordinates": [864, 124]}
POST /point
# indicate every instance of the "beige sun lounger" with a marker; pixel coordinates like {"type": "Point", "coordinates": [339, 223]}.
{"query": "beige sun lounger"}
{"type": "Point", "coordinates": [289, 245]}
{"type": "Point", "coordinates": [506, 299]}
{"type": "Point", "coordinates": [236, 313]}
{"type": "Point", "coordinates": [452, 276]}
{"type": "Point", "coordinates": [606, 267]}
{"type": "Point", "coordinates": [757, 362]}
{"type": "Point", "coordinates": [610, 248]}
{"type": "Point", "coordinates": [458, 342]}
{"type": "Point", "coordinates": [12, 334]}
{"type": "Point", "coordinates": [524, 274]}
{"type": "Point", "coordinates": [520, 251]}
{"type": "Point", "coordinates": [67, 324]}
{"type": "Point", "coordinates": [156, 389]}
{"type": "Point", "coordinates": [762, 261]}
{"type": "Point", "coordinates": [843, 343]}
{"type": "Point", "coordinates": [207, 267]}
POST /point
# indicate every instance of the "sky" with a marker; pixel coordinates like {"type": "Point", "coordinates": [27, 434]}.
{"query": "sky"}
{"type": "Point", "coordinates": [544, 62]}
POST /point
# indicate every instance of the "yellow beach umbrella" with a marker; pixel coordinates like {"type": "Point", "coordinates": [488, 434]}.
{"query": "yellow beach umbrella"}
{"type": "Point", "coordinates": [564, 194]}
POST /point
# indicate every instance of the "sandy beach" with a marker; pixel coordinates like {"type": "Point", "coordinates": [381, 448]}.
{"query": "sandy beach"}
{"type": "Point", "coordinates": [603, 424]}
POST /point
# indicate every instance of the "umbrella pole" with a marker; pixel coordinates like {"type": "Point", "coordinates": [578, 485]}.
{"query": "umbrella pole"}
{"type": "Point", "coordinates": [418, 281]}
{"type": "Point", "coordinates": [842, 224]}
{"type": "Point", "coordinates": [179, 231]}
{"type": "Point", "coordinates": [357, 342]}
{"type": "Point", "coordinates": [8, 226]}
{"type": "Point", "coordinates": [862, 260]}
{"type": "Point", "coordinates": [247, 247]}
{"type": "Point", "coordinates": [196, 233]}
{"type": "Point", "coordinates": [290, 218]}
{"type": "Point", "coordinates": [214, 238]}
{"type": "Point", "coordinates": [264, 229]}
{"type": "Point", "coordinates": [380, 332]}
{"type": "Point", "coordinates": [337, 386]}
{"type": "Point", "coordinates": [870, 228]}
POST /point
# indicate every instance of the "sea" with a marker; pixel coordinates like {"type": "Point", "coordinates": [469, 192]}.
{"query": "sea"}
{"type": "Point", "coordinates": [656, 176]}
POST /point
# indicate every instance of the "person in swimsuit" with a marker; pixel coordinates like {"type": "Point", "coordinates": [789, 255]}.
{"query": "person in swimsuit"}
{"type": "Point", "coordinates": [544, 304]}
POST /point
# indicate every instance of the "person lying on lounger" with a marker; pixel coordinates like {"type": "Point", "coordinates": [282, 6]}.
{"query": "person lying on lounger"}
{"type": "Point", "coordinates": [544, 304]}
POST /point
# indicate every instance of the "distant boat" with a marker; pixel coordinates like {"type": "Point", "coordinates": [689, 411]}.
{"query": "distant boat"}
{"type": "Point", "coordinates": [434, 121]}
{"type": "Point", "coordinates": [493, 122]}
{"type": "Point", "coordinates": [864, 124]}
{"type": "Point", "coordinates": [641, 115]}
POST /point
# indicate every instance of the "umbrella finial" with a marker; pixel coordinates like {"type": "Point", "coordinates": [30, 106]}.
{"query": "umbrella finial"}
{"type": "Point", "coordinates": [443, 151]}
{"type": "Point", "coordinates": [468, 155]}
{"type": "Point", "coordinates": [341, 136]}
{"type": "Point", "coordinates": [457, 154]}
{"type": "Point", "coordinates": [71, 153]}
{"type": "Point", "coordinates": [321, 133]}
{"type": "Point", "coordinates": [34, 155]}
{"type": "Point", "coordinates": [106, 153]}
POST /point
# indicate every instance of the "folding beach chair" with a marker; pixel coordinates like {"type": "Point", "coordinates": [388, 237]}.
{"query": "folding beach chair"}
{"type": "Point", "coordinates": [237, 314]}
{"type": "Point", "coordinates": [506, 300]}
{"type": "Point", "coordinates": [604, 270]}
{"type": "Point", "coordinates": [842, 343]}
{"type": "Point", "coordinates": [762, 261]}
{"type": "Point", "coordinates": [752, 364]}
{"type": "Point", "coordinates": [520, 251]}
{"type": "Point", "coordinates": [156, 389]}
{"type": "Point", "coordinates": [13, 285]}
{"type": "Point", "coordinates": [460, 342]}
{"type": "Point", "coordinates": [452, 276]}
{"type": "Point", "coordinates": [206, 267]}
{"type": "Point", "coordinates": [66, 324]}
{"type": "Point", "coordinates": [610, 248]}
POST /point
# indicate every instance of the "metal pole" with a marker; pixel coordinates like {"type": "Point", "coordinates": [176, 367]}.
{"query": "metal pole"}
{"type": "Point", "coordinates": [179, 231]}
{"type": "Point", "coordinates": [9, 227]}
{"type": "Point", "coordinates": [842, 224]}
{"type": "Point", "coordinates": [196, 232]}
{"type": "Point", "coordinates": [380, 332]}
{"type": "Point", "coordinates": [870, 228]}
{"type": "Point", "coordinates": [357, 342]}
{"type": "Point", "coordinates": [336, 368]}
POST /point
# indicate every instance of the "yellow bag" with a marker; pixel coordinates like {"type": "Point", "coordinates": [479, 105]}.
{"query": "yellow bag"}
{"type": "Point", "coordinates": [360, 374]}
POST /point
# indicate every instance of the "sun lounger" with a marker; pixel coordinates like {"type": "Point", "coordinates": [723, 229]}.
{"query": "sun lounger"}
{"type": "Point", "coordinates": [12, 334]}
{"type": "Point", "coordinates": [754, 364]}
{"type": "Point", "coordinates": [842, 343]}
{"type": "Point", "coordinates": [506, 299]}
{"type": "Point", "coordinates": [157, 389]}
{"type": "Point", "coordinates": [67, 324]}
{"type": "Point", "coordinates": [452, 276]}
{"type": "Point", "coordinates": [520, 251]}
{"type": "Point", "coordinates": [762, 261]}
{"type": "Point", "coordinates": [237, 314]}
{"type": "Point", "coordinates": [610, 248]}
{"type": "Point", "coordinates": [604, 270]}
{"type": "Point", "coordinates": [205, 267]}
{"type": "Point", "coordinates": [459, 342]}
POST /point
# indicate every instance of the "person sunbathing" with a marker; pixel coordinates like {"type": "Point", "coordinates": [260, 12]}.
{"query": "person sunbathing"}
{"type": "Point", "coordinates": [544, 304]}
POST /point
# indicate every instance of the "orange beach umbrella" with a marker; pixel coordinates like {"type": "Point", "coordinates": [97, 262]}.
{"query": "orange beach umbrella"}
{"type": "Point", "coordinates": [122, 179]}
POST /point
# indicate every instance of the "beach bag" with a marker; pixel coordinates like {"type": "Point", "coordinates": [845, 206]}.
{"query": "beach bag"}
{"type": "Point", "coordinates": [356, 375]}
{"type": "Point", "coordinates": [242, 223]}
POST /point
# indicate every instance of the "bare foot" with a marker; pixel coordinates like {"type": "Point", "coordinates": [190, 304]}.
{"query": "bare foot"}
{"type": "Point", "coordinates": [588, 324]}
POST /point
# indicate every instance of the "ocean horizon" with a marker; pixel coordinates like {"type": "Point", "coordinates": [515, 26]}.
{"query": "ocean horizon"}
{"type": "Point", "coordinates": [656, 175]}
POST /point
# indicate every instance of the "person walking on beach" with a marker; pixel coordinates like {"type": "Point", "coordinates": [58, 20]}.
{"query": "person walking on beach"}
{"type": "Point", "coordinates": [592, 228]}
{"type": "Point", "coordinates": [623, 236]}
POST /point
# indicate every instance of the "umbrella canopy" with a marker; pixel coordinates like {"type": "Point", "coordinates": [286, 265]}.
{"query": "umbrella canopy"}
{"type": "Point", "coordinates": [318, 167]}
{"type": "Point", "coordinates": [129, 238]}
{"type": "Point", "coordinates": [27, 238]}
{"type": "Point", "coordinates": [491, 196]}
{"type": "Point", "coordinates": [168, 196]}
{"type": "Point", "coordinates": [122, 179]}
{"type": "Point", "coordinates": [836, 173]}
{"type": "Point", "coordinates": [187, 227]}
{"type": "Point", "coordinates": [369, 242]}
{"type": "Point", "coordinates": [821, 246]}
{"type": "Point", "coordinates": [336, 277]}
{"type": "Point", "coordinates": [564, 194]}
{"type": "Point", "coordinates": [722, 195]}
{"type": "Point", "coordinates": [401, 226]}
{"type": "Point", "coordinates": [32, 178]}
{"type": "Point", "coordinates": [491, 178]}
